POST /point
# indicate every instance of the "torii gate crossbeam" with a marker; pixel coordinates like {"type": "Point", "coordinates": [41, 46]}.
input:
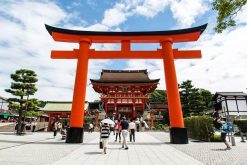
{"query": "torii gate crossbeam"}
{"type": "Point", "coordinates": [178, 133]}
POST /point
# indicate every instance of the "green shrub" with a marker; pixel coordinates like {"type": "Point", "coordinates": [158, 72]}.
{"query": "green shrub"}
{"type": "Point", "coordinates": [161, 126]}
{"type": "Point", "coordinates": [215, 138]}
{"type": "Point", "coordinates": [242, 125]}
{"type": "Point", "coordinates": [199, 127]}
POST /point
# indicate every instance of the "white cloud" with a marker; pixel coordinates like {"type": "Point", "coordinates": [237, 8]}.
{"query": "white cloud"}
{"type": "Point", "coordinates": [186, 11]}
{"type": "Point", "coordinates": [113, 17]}
{"type": "Point", "coordinates": [222, 67]}
{"type": "Point", "coordinates": [242, 15]}
{"type": "Point", "coordinates": [25, 43]}
{"type": "Point", "coordinates": [150, 8]}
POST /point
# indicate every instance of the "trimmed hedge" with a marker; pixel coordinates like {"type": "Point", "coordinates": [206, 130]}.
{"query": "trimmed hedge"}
{"type": "Point", "coordinates": [161, 127]}
{"type": "Point", "coordinates": [242, 125]}
{"type": "Point", "coordinates": [199, 127]}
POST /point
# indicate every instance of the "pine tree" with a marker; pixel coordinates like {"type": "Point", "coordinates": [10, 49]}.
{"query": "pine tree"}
{"type": "Point", "coordinates": [158, 96]}
{"type": "Point", "coordinates": [207, 97]}
{"type": "Point", "coordinates": [194, 100]}
{"type": "Point", "coordinates": [22, 87]}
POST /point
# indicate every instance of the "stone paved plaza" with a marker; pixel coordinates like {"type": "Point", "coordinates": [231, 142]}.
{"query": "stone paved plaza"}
{"type": "Point", "coordinates": [150, 148]}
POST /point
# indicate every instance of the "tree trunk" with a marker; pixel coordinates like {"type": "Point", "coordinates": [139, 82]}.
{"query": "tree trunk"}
{"type": "Point", "coordinates": [19, 124]}
{"type": "Point", "coordinates": [25, 111]}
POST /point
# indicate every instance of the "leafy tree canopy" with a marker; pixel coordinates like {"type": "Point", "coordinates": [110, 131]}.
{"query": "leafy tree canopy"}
{"type": "Point", "coordinates": [158, 96]}
{"type": "Point", "coordinates": [227, 11]}
{"type": "Point", "coordinates": [194, 100]}
{"type": "Point", "coordinates": [22, 87]}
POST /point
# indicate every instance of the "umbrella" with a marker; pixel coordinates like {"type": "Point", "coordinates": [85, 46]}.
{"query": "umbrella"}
{"type": "Point", "coordinates": [108, 121]}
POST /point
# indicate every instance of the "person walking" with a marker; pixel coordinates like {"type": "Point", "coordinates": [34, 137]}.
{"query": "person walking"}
{"type": "Point", "coordinates": [118, 130]}
{"type": "Point", "coordinates": [137, 124]}
{"type": "Point", "coordinates": [125, 126]}
{"type": "Point", "coordinates": [223, 131]}
{"type": "Point", "coordinates": [132, 128]}
{"type": "Point", "coordinates": [90, 128]}
{"type": "Point", "coordinates": [59, 125]}
{"type": "Point", "coordinates": [55, 128]}
{"type": "Point", "coordinates": [104, 135]}
{"type": "Point", "coordinates": [33, 125]}
{"type": "Point", "coordinates": [142, 126]}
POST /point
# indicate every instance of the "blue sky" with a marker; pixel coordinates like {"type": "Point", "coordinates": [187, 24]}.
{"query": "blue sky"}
{"type": "Point", "coordinates": [25, 43]}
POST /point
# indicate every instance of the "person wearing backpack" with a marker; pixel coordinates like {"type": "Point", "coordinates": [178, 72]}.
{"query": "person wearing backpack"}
{"type": "Point", "coordinates": [224, 129]}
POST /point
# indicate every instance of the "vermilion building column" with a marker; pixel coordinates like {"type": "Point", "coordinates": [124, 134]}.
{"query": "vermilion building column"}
{"type": "Point", "coordinates": [178, 134]}
{"type": "Point", "coordinates": [75, 132]}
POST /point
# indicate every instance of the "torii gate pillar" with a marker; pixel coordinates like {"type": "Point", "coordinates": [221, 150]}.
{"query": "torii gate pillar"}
{"type": "Point", "coordinates": [75, 133]}
{"type": "Point", "coordinates": [178, 134]}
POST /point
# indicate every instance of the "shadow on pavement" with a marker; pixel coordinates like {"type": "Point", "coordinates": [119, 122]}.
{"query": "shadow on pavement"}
{"type": "Point", "coordinates": [219, 149]}
{"type": "Point", "coordinates": [129, 143]}
{"type": "Point", "coordinates": [92, 153]}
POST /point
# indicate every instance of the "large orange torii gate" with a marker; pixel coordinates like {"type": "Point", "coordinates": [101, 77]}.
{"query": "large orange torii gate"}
{"type": "Point", "coordinates": [178, 134]}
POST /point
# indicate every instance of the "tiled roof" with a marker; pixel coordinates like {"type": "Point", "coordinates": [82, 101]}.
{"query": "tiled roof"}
{"type": "Point", "coordinates": [124, 76]}
{"type": "Point", "coordinates": [231, 93]}
{"type": "Point", "coordinates": [56, 106]}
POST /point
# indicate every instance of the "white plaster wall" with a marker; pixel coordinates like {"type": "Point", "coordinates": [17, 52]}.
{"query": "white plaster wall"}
{"type": "Point", "coordinates": [242, 107]}
{"type": "Point", "coordinates": [232, 105]}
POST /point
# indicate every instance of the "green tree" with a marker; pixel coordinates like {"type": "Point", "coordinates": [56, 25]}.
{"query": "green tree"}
{"type": "Point", "coordinates": [185, 90]}
{"type": "Point", "coordinates": [158, 96]}
{"type": "Point", "coordinates": [227, 11]}
{"type": "Point", "coordinates": [22, 87]}
{"type": "Point", "coordinates": [207, 97]}
{"type": "Point", "coordinates": [191, 99]}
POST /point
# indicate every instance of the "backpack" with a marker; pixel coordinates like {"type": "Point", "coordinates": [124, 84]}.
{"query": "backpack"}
{"type": "Point", "coordinates": [227, 127]}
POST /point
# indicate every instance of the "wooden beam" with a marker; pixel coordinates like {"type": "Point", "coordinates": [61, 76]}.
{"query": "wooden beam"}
{"type": "Point", "coordinates": [125, 55]}
{"type": "Point", "coordinates": [178, 54]}
{"type": "Point", "coordinates": [76, 38]}
{"type": "Point", "coordinates": [186, 54]}
{"type": "Point", "coordinates": [64, 54]}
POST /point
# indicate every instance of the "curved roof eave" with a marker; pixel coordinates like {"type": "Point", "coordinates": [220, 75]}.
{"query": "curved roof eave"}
{"type": "Point", "coordinates": [51, 29]}
{"type": "Point", "coordinates": [125, 82]}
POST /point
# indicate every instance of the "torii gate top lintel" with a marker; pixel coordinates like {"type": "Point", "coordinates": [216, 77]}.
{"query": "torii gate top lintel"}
{"type": "Point", "coordinates": [181, 35]}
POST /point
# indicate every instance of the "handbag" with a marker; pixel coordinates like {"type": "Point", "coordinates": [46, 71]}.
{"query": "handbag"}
{"type": "Point", "coordinates": [100, 144]}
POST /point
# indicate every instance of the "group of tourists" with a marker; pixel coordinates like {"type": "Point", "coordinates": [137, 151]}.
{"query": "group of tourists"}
{"type": "Point", "coordinates": [57, 126]}
{"type": "Point", "coordinates": [121, 129]}
{"type": "Point", "coordinates": [28, 125]}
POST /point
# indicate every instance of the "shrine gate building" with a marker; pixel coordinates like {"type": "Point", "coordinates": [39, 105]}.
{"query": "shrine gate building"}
{"type": "Point", "coordinates": [124, 92]}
